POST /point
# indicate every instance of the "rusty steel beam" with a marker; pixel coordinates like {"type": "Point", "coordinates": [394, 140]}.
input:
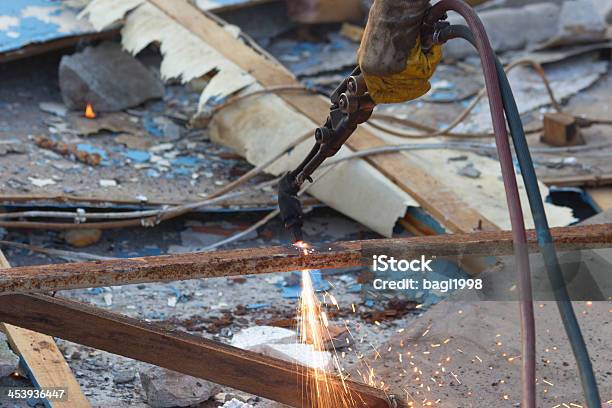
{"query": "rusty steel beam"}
{"type": "Point", "coordinates": [46, 278]}
{"type": "Point", "coordinates": [188, 354]}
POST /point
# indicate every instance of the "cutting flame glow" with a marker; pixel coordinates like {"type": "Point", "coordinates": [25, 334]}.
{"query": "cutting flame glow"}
{"type": "Point", "coordinates": [321, 388]}
{"type": "Point", "coordinates": [89, 112]}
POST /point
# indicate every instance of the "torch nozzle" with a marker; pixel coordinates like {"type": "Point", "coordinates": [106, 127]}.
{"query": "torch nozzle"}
{"type": "Point", "coordinates": [290, 206]}
{"type": "Point", "coordinates": [296, 234]}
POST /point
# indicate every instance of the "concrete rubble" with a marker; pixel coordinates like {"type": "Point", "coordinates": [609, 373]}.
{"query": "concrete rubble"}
{"type": "Point", "coordinates": [9, 361]}
{"type": "Point", "coordinates": [258, 337]}
{"type": "Point", "coordinates": [234, 403]}
{"type": "Point", "coordinates": [108, 78]}
{"type": "Point", "coordinates": [166, 389]}
{"type": "Point", "coordinates": [537, 25]}
{"type": "Point", "coordinates": [282, 344]}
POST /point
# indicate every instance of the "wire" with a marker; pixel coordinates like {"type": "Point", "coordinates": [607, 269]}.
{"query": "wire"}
{"type": "Point", "coordinates": [447, 131]}
{"type": "Point", "coordinates": [60, 253]}
{"type": "Point", "coordinates": [154, 217]}
{"type": "Point", "coordinates": [483, 45]}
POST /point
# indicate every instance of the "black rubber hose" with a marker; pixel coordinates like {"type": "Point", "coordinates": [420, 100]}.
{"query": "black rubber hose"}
{"type": "Point", "coordinates": [528, 344]}
{"type": "Point", "coordinates": [545, 241]}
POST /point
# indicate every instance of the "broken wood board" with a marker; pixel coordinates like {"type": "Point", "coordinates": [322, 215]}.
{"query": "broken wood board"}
{"type": "Point", "coordinates": [486, 193]}
{"type": "Point", "coordinates": [181, 352]}
{"type": "Point", "coordinates": [589, 180]}
{"type": "Point", "coordinates": [602, 197]}
{"type": "Point", "coordinates": [219, 6]}
{"type": "Point", "coordinates": [43, 361]}
{"type": "Point", "coordinates": [361, 181]}
{"type": "Point", "coordinates": [45, 278]}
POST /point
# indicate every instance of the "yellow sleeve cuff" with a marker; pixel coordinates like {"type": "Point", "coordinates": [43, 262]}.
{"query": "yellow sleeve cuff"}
{"type": "Point", "coordinates": [409, 84]}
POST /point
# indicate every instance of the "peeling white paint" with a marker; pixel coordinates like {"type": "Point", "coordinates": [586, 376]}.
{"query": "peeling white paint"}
{"type": "Point", "coordinates": [66, 20]}
{"type": "Point", "coordinates": [6, 22]}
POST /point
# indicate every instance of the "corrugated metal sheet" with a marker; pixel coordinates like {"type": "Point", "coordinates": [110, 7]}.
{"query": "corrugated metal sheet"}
{"type": "Point", "coordinates": [26, 22]}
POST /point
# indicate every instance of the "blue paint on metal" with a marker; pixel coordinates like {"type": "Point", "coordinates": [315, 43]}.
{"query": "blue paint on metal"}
{"type": "Point", "coordinates": [138, 156]}
{"type": "Point", "coordinates": [29, 30]}
{"type": "Point", "coordinates": [87, 148]}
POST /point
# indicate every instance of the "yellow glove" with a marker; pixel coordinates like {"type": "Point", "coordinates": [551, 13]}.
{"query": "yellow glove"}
{"type": "Point", "coordinates": [411, 83]}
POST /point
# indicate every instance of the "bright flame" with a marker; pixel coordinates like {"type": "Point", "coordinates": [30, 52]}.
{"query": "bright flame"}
{"type": "Point", "coordinates": [89, 112]}
{"type": "Point", "coordinates": [322, 387]}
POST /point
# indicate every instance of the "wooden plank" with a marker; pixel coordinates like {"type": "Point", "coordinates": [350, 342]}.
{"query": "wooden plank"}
{"type": "Point", "coordinates": [188, 354]}
{"type": "Point", "coordinates": [432, 194]}
{"type": "Point", "coordinates": [589, 180]}
{"type": "Point", "coordinates": [47, 278]}
{"type": "Point", "coordinates": [224, 6]}
{"type": "Point", "coordinates": [43, 360]}
{"type": "Point", "coordinates": [602, 197]}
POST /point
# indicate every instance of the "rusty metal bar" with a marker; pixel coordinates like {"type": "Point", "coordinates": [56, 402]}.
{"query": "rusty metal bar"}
{"type": "Point", "coordinates": [167, 268]}
{"type": "Point", "coordinates": [188, 354]}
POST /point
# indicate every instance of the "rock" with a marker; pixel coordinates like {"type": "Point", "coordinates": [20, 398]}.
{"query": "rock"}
{"type": "Point", "coordinates": [38, 182]}
{"type": "Point", "coordinates": [165, 388]}
{"type": "Point", "coordinates": [124, 376]}
{"type": "Point", "coordinates": [303, 354]}
{"type": "Point", "coordinates": [81, 238]}
{"type": "Point", "coordinates": [541, 25]}
{"type": "Point", "coordinates": [606, 8]}
{"type": "Point", "coordinates": [470, 171]}
{"type": "Point", "coordinates": [255, 338]}
{"type": "Point", "coordinates": [11, 146]}
{"type": "Point", "coordinates": [108, 183]}
{"type": "Point", "coordinates": [234, 403]}
{"type": "Point", "coordinates": [281, 343]}
{"type": "Point", "coordinates": [581, 21]}
{"type": "Point", "coordinates": [108, 78]}
{"type": "Point", "coordinates": [224, 397]}
{"type": "Point", "coordinates": [54, 108]}
{"type": "Point", "coordinates": [9, 361]}
{"type": "Point", "coordinates": [510, 28]}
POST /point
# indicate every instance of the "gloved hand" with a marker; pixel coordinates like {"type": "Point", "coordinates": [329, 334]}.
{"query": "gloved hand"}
{"type": "Point", "coordinates": [394, 66]}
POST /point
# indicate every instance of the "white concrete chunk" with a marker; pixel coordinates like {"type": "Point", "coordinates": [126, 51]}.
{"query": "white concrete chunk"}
{"type": "Point", "coordinates": [254, 338]}
{"type": "Point", "coordinates": [303, 354]}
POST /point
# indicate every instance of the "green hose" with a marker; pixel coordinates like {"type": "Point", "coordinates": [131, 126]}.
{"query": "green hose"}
{"type": "Point", "coordinates": [545, 241]}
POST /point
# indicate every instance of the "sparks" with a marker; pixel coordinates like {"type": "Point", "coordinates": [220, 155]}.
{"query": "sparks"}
{"type": "Point", "coordinates": [320, 387]}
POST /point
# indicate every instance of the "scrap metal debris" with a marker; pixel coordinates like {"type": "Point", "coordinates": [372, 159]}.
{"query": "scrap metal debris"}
{"type": "Point", "coordinates": [70, 150]}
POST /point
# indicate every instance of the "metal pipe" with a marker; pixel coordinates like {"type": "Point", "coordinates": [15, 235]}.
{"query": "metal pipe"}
{"type": "Point", "coordinates": [167, 268]}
